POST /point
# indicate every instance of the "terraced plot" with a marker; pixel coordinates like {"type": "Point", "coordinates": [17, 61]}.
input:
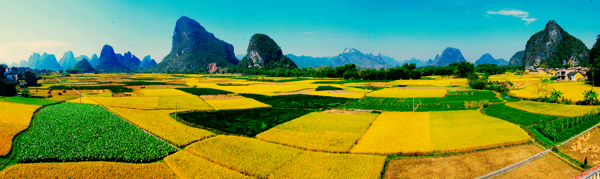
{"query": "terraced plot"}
{"type": "Point", "coordinates": [161, 124]}
{"type": "Point", "coordinates": [87, 170]}
{"type": "Point", "coordinates": [163, 92]}
{"type": "Point", "coordinates": [325, 165]}
{"type": "Point", "coordinates": [408, 93]}
{"type": "Point", "coordinates": [240, 103]}
{"type": "Point", "coordinates": [552, 109]}
{"type": "Point", "coordinates": [147, 103]}
{"type": "Point", "coordinates": [187, 165]}
{"type": "Point", "coordinates": [321, 131]}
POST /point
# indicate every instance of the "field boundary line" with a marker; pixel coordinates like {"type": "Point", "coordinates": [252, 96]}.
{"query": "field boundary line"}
{"type": "Point", "coordinates": [100, 104]}
{"type": "Point", "coordinates": [514, 166]}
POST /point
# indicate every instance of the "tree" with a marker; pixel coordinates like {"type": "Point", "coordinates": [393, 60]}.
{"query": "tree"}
{"type": "Point", "coordinates": [463, 69]}
{"type": "Point", "coordinates": [595, 62]}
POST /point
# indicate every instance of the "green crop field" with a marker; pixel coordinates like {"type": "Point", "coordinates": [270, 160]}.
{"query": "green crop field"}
{"type": "Point", "coordinates": [84, 132]}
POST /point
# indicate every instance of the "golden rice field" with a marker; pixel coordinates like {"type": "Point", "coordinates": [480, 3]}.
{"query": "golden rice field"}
{"type": "Point", "coordinates": [408, 93]}
{"type": "Point", "coordinates": [469, 165]}
{"type": "Point", "coordinates": [552, 108]}
{"type": "Point", "coordinates": [128, 102]}
{"type": "Point", "coordinates": [249, 156]}
{"type": "Point", "coordinates": [84, 100]}
{"type": "Point", "coordinates": [571, 90]}
{"type": "Point", "coordinates": [397, 133]}
{"type": "Point", "coordinates": [164, 92]}
{"type": "Point", "coordinates": [88, 170]}
{"type": "Point", "coordinates": [161, 124]}
{"type": "Point", "coordinates": [320, 131]}
{"type": "Point", "coordinates": [7, 133]}
{"type": "Point", "coordinates": [338, 94]}
{"type": "Point", "coordinates": [454, 131]}
{"type": "Point", "coordinates": [240, 103]}
{"type": "Point", "coordinates": [187, 165]}
{"type": "Point", "coordinates": [438, 82]}
{"type": "Point", "coordinates": [325, 165]}
{"type": "Point", "coordinates": [183, 102]}
{"type": "Point", "coordinates": [268, 90]}
{"type": "Point", "coordinates": [18, 114]}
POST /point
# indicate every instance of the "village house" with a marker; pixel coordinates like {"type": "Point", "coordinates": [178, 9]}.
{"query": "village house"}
{"type": "Point", "coordinates": [7, 86]}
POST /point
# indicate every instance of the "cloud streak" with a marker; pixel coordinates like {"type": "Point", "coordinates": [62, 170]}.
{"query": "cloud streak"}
{"type": "Point", "coordinates": [35, 45]}
{"type": "Point", "coordinates": [515, 13]}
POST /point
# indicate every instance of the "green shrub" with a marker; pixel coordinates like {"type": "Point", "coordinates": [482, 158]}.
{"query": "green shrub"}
{"type": "Point", "coordinates": [327, 88]}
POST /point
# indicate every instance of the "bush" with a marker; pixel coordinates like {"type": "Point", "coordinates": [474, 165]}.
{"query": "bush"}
{"type": "Point", "coordinates": [299, 100]}
{"type": "Point", "coordinates": [327, 88]}
{"type": "Point", "coordinates": [25, 93]}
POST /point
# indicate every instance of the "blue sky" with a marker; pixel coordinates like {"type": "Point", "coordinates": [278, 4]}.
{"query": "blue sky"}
{"type": "Point", "coordinates": [398, 29]}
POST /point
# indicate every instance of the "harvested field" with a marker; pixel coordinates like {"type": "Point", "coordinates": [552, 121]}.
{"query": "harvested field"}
{"type": "Point", "coordinates": [468, 165]}
{"type": "Point", "coordinates": [585, 146]}
{"type": "Point", "coordinates": [548, 166]}
{"type": "Point", "coordinates": [88, 170]}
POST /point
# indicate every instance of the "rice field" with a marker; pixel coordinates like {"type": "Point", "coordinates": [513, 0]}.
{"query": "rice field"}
{"type": "Point", "coordinates": [249, 156]}
{"type": "Point", "coordinates": [320, 131]}
{"type": "Point", "coordinates": [408, 93]}
{"type": "Point", "coordinates": [325, 165]}
{"type": "Point", "coordinates": [572, 90]}
{"type": "Point", "coordinates": [128, 102]}
{"type": "Point", "coordinates": [240, 103]}
{"type": "Point", "coordinates": [183, 102]}
{"type": "Point", "coordinates": [163, 92]}
{"type": "Point", "coordinates": [397, 133]}
{"type": "Point", "coordinates": [84, 100]}
{"type": "Point", "coordinates": [87, 170]}
{"type": "Point", "coordinates": [454, 131]}
{"type": "Point", "coordinates": [341, 94]}
{"type": "Point", "coordinates": [7, 133]}
{"type": "Point", "coordinates": [161, 124]}
{"type": "Point", "coordinates": [17, 114]}
{"type": "Point", "coordinates": [552, 108]}
{"type": "Point", "coordinates": [187, 165]}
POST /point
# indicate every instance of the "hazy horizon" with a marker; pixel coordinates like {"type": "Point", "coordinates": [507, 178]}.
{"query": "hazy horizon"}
{"type": "Point", "coordinates": [400, 30]}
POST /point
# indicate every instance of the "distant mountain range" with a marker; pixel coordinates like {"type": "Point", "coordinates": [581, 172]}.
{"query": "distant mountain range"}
{"type": "Point", "coordinates": [68, 60]}
{"type": "Point", "coordinates": [449, 55]}
{"type": "Point", "coordinates": [487, 58]}
{"type": "Point", "coordinates": [349, 55]}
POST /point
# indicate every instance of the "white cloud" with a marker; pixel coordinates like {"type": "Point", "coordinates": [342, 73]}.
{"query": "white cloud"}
{"type": "Point", "coordinates": [35, 45]}
{"type": "Point", "coordinates": [515, 13]}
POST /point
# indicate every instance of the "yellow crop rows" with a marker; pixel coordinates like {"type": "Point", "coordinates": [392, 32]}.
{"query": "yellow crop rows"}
{"type": "Point", "coordinates": [7, 133]}
{"type": "Point", "coordinates": [324, 165]}
{"type": "Point", "coordinates": [341, 95]}
{"type": "Point", "coordinates": [183, 102]}
{"type": "Point", "coordinates": [249, 156]}
{"type": "Point", "coordinates": [321, 131]}
{"type": "Point", "coordinates": [397, 133]}
{"type": "Point", "coordinates": [408, 93]}
{"type": "Point", "coordinates": [241, 103]}
{"type": "Point", "coordinates": [164, 92]}
{"type": "Point", "coordinates": [268, 90]}
{"type": "Point", "coordinates": [552, 109]}
{"type": "Point", "coordinates": [187, 165]}
{"type": "Point", "coordinates": [571, 90]}
{"type": "Point", "coordinates": [15, 113]}
{"type": "Point", "coordinates": [454, 131]}
{"type": "Point", "coordinates": [84, 100]}
{"type": "Point", "coordinates": [129, 102]}
{"type": "Point", "coordinates": [161, 124]}
{"type": "Point", "coordinates": [87, 170]}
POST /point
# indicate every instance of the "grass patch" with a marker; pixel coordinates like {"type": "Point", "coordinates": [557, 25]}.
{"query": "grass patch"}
{"type": "Point", "coordinates": [247, 122]}
{"type": "Point", "coordinates": [203, 91]}
{"type": "Point", "coordinates": [61, 134]}
{"type": "Point", "coordinates": [516, 116]}
{"type": "Point", "coordinates": [33, 101]}
{"type": "Point", "coordinates": [327, 88]}
{"type": "Point", "coordinates": [299, 100]}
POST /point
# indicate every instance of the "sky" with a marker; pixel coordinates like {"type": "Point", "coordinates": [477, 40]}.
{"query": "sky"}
{"type": "Point", "coordinates": [318, 28]}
